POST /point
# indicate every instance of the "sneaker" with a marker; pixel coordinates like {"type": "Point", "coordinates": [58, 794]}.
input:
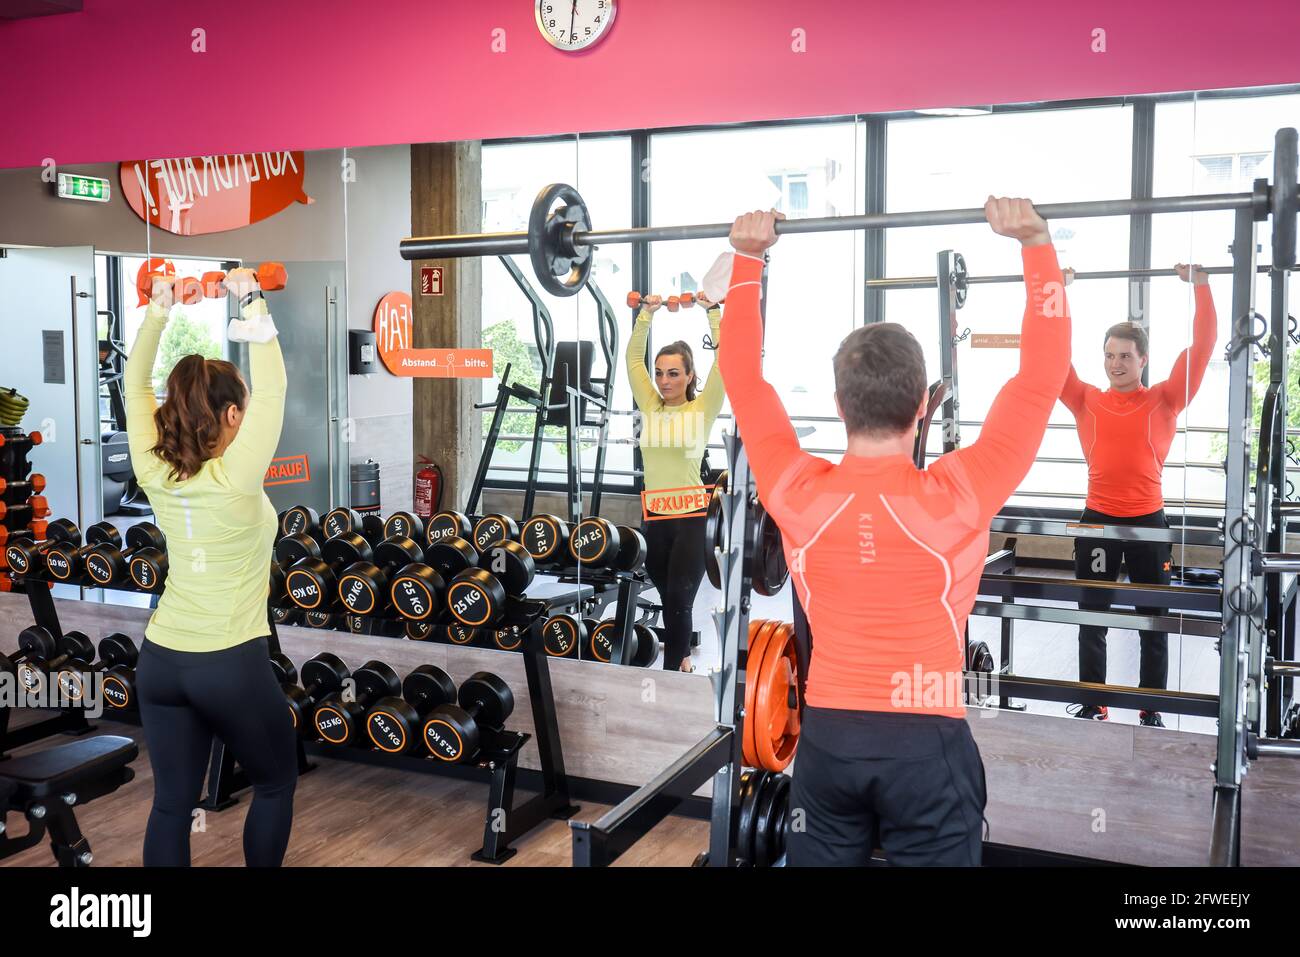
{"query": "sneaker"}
{"type": "Point", "coordinates": [1089, 712]}
{"type": "Point", "coordinates": [1150, 719]}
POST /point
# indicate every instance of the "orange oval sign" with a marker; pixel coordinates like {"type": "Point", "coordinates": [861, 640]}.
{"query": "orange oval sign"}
{"type": "Point", "coordinates": [393, 328]}
{"type": "Point", "coordinates": [211, 194]}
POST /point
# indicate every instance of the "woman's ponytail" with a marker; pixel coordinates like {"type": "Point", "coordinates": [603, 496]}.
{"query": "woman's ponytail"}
{"type": "Point", "coordinates": [188, 422]}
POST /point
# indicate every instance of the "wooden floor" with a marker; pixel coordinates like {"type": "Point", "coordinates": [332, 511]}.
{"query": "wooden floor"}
{"type": "Point", "coordinates": [348, 814]}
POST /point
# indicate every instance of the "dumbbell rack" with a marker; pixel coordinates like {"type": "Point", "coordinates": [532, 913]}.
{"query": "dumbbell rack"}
{"type": "Point", "coordinates": [628, 586]}
{"type": "Point", "coordinates": [498, 758]}
{"type": "Point", "coordinates": [15, 467]}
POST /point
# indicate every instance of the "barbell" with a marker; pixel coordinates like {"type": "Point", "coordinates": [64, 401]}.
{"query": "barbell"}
{"type": "Point", "coordinates": [559, 239]}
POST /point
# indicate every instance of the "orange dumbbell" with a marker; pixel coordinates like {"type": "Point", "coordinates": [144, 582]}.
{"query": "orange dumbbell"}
{"type": "Point", "coordinates": [686, 299]}
{"type": "Point", "coordinates": [270, 276]}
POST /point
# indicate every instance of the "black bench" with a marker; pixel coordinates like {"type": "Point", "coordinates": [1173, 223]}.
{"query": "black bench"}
{"type": "Point", "coordinates": [46, 786]}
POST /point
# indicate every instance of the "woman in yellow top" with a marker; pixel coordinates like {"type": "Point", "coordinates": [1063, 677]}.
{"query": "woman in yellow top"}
{"type": "Point", "coordinates": [201, 456]}
{"type": "Point", "coordinates": [675, 422]}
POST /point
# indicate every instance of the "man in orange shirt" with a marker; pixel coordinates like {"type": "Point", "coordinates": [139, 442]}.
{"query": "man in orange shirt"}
{"type": "Point", "coordinates": [1125, 433]}
{"type": "Point", "coordinates": [886, 560]}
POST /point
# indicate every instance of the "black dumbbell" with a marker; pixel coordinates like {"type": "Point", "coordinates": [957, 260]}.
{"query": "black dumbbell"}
{"type": "Point", "coordinates": [453, 733]}
{"type": "Point", "coordinates": [448, 524]}
{"type": "Point", "coordinates": [457, 634]}
{"type": "Point", "coordinates": [319, 619]}
{"type": "Point", "coordinates": [631, 549]}
{"type": "Point", "coordinates": [26, 557]}
{"type": "Point", "coordinates": [419, 631]}
{"type": "Point", "coordinates": [299, 520]}
{"type": "Point", "coordinates": [508, 638]}
{"type": "Point", "coordinates": [563, 635]}
{"type": "Point", "coordinates": [107, 564]}
{"type": "Point", "coordinates": [285, 615]}
{"type": "Point", "coordinates": [393, 723]}
{"type": "Point", "coordinates": [419, 589]}
{"type": "Point", "coordinates": [340, 520]}
{"type": "Point", "coordinates": [547, 539]}
{"type": "Point", "coordinates": [404, 525]}
{"type": "Point", "coordinates": [289, 551]}
{"type": "Point", "coordinates": [595, 543]}
{"type": "Point", "coordinates": [41, 655]}
{"type": "Point", "coordinates": [494, 529]}
{"type": "Point", "coordinates": [364, 587]}
{"type": "Point", "coordinates": [600, 644]}
{"type": "Point", "coordinates": [283, 668]}
{"type": "Point", "coordinates": [477, 596]}
{"type": "Point", "coordinates": [148, 568]}
{"type": "Point", "coordinates": [339, 722]}
{"type": "Point", "coordinates": [115, 651]}
{"type": "Point", "coordinates": [312, 583]}
{"type": "Point", "coordinates": [119, 653]}
{"type": "Point", "coordinates": [66, 561]}
{"type": "Point", "coordinates": [322, 675]}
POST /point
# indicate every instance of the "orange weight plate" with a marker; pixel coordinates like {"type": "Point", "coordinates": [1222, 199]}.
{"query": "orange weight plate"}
{"type": "Point", "coordinates": [753, 671]}
{"type": "Point", "coordinates": [776, 722]}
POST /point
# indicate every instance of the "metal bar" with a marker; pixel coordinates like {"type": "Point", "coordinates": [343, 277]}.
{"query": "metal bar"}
{"type": "Point", "coordinates": [1116, 696]}
{"type": "Point", "coordinates": [927, 282]}
{"type": "Point", "coordinates": [1279, 563]}
{"type": "Point", "coordinates": [1287, 669]}
{"type": "Point", "coordinates": [875, 170]}
{"type": "Point", "coordinates": [1136, 621]}
{"type": "Point", "coordinates": [1225, 827]}
{"type": "Point", "coordinates": [1168, 597]}
{"type": "Point", "coordinates": [951, 436]}
{"type": "Point", "coordinates": [497, 244]}
{"type": "Point", "coordinates": [1141, 186]}
{"type": "Point", "coordinates": [599, 843]}
{"type": "Point", "coordinates": [1177, 535]}
{"type": "Point", "coordinates": [1277, 747]}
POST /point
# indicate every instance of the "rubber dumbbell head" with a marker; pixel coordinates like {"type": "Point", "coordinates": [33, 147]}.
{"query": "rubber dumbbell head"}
{"type": "Point", "coordinates": [563, 635]}
{"type": "Point", "coordinates": [450, 556]}
{"type": "Point", "coordinates": [452, 733]}
{"type": "Point", "coordinates": [594, 542]}
{"type": "Point", "coordinates": [511, 564]}
{"type": "Point", "coordinates": [393, 723]}
{"type": "Point", "coordinates": [26, 557]}
{"type": "Point", "coordinates": [299, 520]}
{"type": "Point", "coordinates": [417, 592]}
{"type": "Point", "coordinates": [631, 552]}
{"type": "Point", "coordinates": [312, 584]}
{"type": "Point", "coordinates": [404, 525]}
{"type": "Point", "coordinates": [66, 561]}
{"type": "Point", "coordinates": [323, 674]}
{"type": "Point", "coordinates": [340, 520]}
{"type": "Point", "coordinates": [493, 530]}
{"type": "Point", "coordinates": [476, 598]}
{"type": "Point", "coordinates": [547, 539]}
{"type": "Point", "coordinates": [448, 524]}
{"type": "Point", "coordinates": [338, 722]}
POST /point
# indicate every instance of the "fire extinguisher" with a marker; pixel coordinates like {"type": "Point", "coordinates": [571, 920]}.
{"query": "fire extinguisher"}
{"type": "Point", "coordinates": [428, 489]}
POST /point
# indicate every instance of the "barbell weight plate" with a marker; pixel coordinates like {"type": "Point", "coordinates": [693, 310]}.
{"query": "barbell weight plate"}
{"type": "Point", "coordinates": [959, 277]}
{"type": "Point", "coordinates": [715, 531]}
{"type": "Point", "coordinates": [765, 819]}
{"type": "Point", "coordinates": [775, 570]}
{"type": "Point", "coordinates": [759, 632]}
{"type": "Point", "coordinates": [762, 523]}
{"type": "Point", "coordinates": [751, 783]}
{"type": "Point", "coordinates": [561, 268]}
{"type": "Point", "coordinates": [776, 721]}
{"type": "Point", "coordinates": [1284, 196]}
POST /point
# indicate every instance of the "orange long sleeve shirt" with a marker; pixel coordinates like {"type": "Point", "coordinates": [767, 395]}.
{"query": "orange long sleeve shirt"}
{"type": "Point", "coordinates": [1126, 435]}
{"type": "Point", "coordinates": [886, 558]}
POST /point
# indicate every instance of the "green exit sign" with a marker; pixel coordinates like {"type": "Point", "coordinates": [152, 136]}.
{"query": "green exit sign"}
{"type": "Point", "coordinates": [73, 186]}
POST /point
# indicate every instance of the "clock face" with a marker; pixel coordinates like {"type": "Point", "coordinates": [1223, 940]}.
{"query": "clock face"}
{"type": "Point", "coordinates": [574, 24]}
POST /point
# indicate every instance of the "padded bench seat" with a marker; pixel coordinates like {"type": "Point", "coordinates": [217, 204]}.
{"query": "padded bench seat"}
{"type": "Point", "coordinates": [65, 768]}
{"type": "Point", "coordinates": [558, 594]}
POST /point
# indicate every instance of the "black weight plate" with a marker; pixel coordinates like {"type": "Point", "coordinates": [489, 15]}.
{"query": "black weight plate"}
{"type": "Point", "coordinates": [475, 597]}
{"type": "Point", "coordinates": [563, 635]}
{"type": "Point", "coordinates": [419, 630]}
{"type": "Point", "coordinates": [363, 588]}
{"type": "Point", "coordinates": [493, 697]}
{"type": "Point", "coordinates": [715, 530]}
{"type": "Point", "coordinates": [299, 520]}
{"type": "Point", "coordinates": [751, 783]}
{"type": "Point", "coordinates": [416, 592]}
{"type": "Point", "coordinates": [493, 530]}
{"type": "Point", "coordinates": [594, 542]}
{"type": "Point", "coordinates": [546, 537]}
{"type": "Point", "coordinates": [451, 556]}
{"type": "Point", "coordinates": [397, 551]}
{"type": "Point", "coordinates": [295, 548]}
{"type": "Point", "coordinates": [326, 671]}
{"type": "Point", "coordinates": [403, 525]}
{"type": "Point", "coordinates": [511, 564]}
{"type": "Point", "coordinates": [459, 634]}
{"type": "Point", "coordinates": [372, 528]}
{"type": "Point", "coordinates": [428, 686]}
{"type": "Point", "coordinates": [1284, 194]}
{"type": "Point", "coordinates": [631, 549]}
{"type": "Point", "coordinates": [765, 820]}
{"type": "Point", "coordinates": [345, 548]}
{"type": "Point", "coordinates": [647, 647]}
{"type": "Point", "coordinates": [449, 524]}
{"type": "Point", "coordinates": [561, 267]}
{"type": "Point", "coordinates": [340, 520]}
{"type": "Point", "coordinates": [146, 535]}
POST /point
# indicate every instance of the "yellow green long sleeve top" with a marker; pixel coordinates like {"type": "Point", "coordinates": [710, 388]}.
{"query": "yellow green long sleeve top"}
{"type": "Point", "coordinates": [673, 437]}
{"type": "Point", "coordinates": [220, 526]}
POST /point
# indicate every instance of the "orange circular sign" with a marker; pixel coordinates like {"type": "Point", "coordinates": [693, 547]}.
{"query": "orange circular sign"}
{"type": "Point", "coordinates": [393, 317]}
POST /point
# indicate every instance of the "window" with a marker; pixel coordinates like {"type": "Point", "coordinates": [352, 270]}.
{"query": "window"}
{"type": "Point", "coordinates": [814, 294]}
{"type": "Point", "coordinates": [513, 174]}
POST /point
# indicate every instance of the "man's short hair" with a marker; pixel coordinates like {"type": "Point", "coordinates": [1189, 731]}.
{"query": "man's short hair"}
{"type": "Point", "coordinates": [880, 379]}
{"type": "Point", "coordinates": [1128, 330]}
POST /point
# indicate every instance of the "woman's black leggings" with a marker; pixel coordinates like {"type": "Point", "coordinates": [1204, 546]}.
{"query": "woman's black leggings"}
{"type": "Point", "coordinates": [675, 561]}
{"type": "Point", "coordinates": [187, 698]}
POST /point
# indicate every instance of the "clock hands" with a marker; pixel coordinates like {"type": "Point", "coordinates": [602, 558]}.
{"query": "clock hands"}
{"type": "Point", "coordinates": [573, 16]}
